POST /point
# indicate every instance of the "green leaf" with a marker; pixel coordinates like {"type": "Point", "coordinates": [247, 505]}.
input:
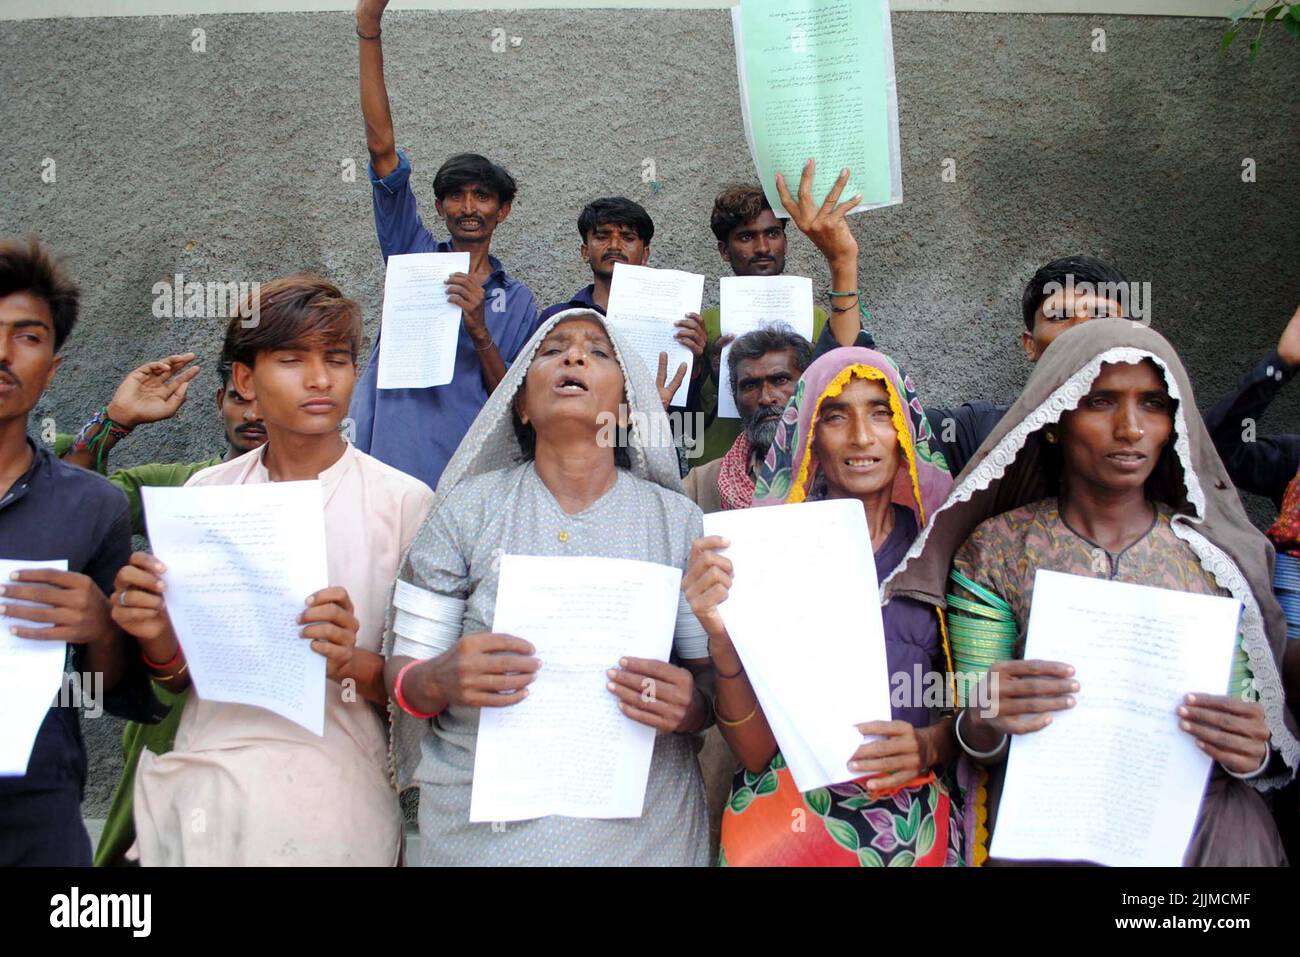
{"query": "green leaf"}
{"type": "Point", "coordinates": [819, 800]}
{"type": "Point", "coordinates": [903, 859]}
{"type": "Point", "coordinates": [906, 829]}
{"type": "Point", "coordinates": [778, 762]}
{"type": "Point", "coordinates": [767, 784]}
{"type": "Point", "coordinates": [843, 833]}
{"type": "Point", "coordinates": [1228, 37]}
{"type": "Point", "coordinates": [867, 857]}
{"type": "Point", "coordinates": [750, 778]}
{"type": "Point", "coordinates": [1271, 15]}
{"type": "Point", "coordinates": [1254, 50]}
{"type": "Point", "coordinates": [722, 857]}
{"type": "Point", "coordinates": [857, 802]}
{"type": "Point", "coordinates": [780, 486]}
{"type": "Point", "coordinates": [925, 840]}
{"type": "Point", "coordinates": [742, 799]}
{"type": "Point", "coordinates": [1291, 22]}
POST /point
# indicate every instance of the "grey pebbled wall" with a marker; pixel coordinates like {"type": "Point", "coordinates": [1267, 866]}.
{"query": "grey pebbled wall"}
{"type": "Point", "coordinates": [226, 165]}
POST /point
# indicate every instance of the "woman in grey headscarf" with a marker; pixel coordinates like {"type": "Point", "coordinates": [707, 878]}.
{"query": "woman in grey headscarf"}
{"type": "Point", "coordinates": [541, 472]}
{"type": "Point", "coordinates": [1104, 468]}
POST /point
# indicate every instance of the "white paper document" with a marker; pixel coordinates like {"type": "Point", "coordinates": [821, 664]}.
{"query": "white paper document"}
{"type": "Point", "coordinates": [818, 663]}
{"type": "Point", "coordinates": [31, 673]}
{"type": "Point", "coordinates": [567, 749]}
{"type": "Point", "coordinates": [1136, 652]}
{"type": "Point", "coordinates": [751, 302]}
{"type": "Point", "coordinates": [420, 328]}
{"type": "Point", "coordinates": [241, 561]}
{"type": "Point", "coordinates": [645, 306]}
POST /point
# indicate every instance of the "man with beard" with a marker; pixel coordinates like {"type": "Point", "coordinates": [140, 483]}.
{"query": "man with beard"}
{"type": "Point", "coordinates": [764, 366]}
{"type": "Point", "coordinates": [615, 229]}
{"type": "Point", "coordinates": [417, 430]}
{"type": "Point", "coordinates": [752, 241]}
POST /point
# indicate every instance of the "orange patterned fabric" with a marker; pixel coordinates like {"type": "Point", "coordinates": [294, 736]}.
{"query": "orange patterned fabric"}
{"type": "Point", "coordinates": [769, 823]}
{"type": "Point", "coordinates": [1285, 532]}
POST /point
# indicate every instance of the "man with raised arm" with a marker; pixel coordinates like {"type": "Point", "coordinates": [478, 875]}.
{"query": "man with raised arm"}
{"type": "Point", "coordinates": [417, 430]}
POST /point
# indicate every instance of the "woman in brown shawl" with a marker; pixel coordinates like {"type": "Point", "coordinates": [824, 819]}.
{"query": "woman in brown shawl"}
{"type": "Point", "coordinates": [1104, 468]}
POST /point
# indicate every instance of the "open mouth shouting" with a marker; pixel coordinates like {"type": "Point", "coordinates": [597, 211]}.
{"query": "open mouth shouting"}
{"type": "Point", "coordinates": [569, 383]}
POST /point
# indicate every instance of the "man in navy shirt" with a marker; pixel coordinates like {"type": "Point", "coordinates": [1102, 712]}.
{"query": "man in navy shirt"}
{"type": "Point", "coordinates": [417, 430]}
{"type": "Point", "coordinates": [51, 510]}
{"type": "Point", "coordinates": [614, 229]}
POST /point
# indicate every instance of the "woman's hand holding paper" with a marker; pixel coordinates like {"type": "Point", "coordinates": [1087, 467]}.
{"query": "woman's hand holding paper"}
{"type": "Point", "coordinates": [1022, 695]}
{"type": "Point", "coordinates": [657, 694]}
{"type": "Point", "coordinates": [1228, 729]}
{"type": "Point", "coordinates": [484, 670]}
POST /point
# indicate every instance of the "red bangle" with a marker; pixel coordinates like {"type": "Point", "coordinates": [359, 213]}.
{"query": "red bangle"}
{"type": "Point", "coordinates": [159, 666]}
{"type": "Point", "coordinates": [401, 701]}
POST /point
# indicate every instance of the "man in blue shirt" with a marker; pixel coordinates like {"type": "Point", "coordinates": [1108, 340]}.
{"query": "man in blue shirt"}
{"type": "Point", "coordinates": [51, 510]}
{"type": "Point", "coordinates": [417, 430]}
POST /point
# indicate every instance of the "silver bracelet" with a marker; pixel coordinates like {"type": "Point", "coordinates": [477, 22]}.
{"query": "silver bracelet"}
{"type": "Point", "coordinates": [956, 729]}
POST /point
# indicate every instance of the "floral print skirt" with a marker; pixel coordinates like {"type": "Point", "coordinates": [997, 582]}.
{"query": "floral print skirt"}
{"type": "Point", "coordinates": [767, 822]}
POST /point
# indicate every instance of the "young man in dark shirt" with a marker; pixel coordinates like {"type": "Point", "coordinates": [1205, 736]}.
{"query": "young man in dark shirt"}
{"type": "Point", "coordinates": [51, 510]}
{"type": "Point", "coordinates": [615, 229]}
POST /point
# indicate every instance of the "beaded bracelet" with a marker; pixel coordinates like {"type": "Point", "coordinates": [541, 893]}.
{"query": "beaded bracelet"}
{"type": "Point", "coordinates": [98, 443]}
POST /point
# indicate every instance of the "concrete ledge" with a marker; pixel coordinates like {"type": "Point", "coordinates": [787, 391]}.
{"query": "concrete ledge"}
{"type": "Point", "coordinates": [50, 9]}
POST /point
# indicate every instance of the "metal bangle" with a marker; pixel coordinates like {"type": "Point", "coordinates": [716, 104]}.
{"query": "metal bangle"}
{"type": "Point", "coordinates": [734, 724]}
{"type": "Point", "coordinates": [956, 730]}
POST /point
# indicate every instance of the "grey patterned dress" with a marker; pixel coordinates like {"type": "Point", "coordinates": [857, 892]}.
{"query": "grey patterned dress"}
{"type": "Point", "coordinates": [457, 555]}
{"type": "Point", "coordinates": [490, 502]}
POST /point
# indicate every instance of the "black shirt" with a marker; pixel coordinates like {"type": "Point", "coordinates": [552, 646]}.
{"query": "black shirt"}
{"type": "Point", "coordinates": [59, 511]}
{"type": "Point", "coordinates": [1266, 465]}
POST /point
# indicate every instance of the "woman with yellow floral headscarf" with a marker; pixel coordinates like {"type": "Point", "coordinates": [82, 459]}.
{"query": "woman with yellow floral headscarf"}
{"type": "Point", "coordinates": [853, 429]}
